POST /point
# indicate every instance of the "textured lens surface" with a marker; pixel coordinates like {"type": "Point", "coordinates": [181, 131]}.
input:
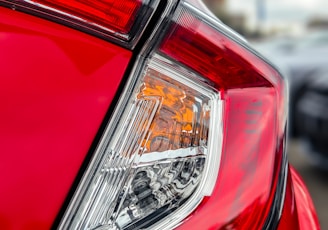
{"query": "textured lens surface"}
{"type": "Point", "coordinates": [173, 152]}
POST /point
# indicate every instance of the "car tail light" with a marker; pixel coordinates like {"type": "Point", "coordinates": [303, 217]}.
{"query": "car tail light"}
{"type": "Point", "coordinates": [163, 144]}
{"type": "Point", "coordinates": [119, 21]}
{"type": "Point", "coordinates": [117, 16]}
{"type": "Point", "coordinates": [197, 137]}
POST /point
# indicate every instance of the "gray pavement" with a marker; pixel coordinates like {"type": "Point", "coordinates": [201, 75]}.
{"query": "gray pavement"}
{"type": "Point", "coordinates": [316, 181]}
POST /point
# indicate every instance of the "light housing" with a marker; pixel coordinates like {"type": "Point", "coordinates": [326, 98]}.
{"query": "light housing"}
{"type": "Point", "coordinates": [192, 63]}
{"type": "Point", "coordinates": [161, 155]}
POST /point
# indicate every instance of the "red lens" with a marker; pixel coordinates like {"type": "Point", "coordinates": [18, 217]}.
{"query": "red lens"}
{"type": "Point", "coordinates": [110, 14]}
{"type": "Point", "coordinates": [201, 47]}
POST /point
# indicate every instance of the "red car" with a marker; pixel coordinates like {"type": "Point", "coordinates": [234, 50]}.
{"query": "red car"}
{"type": "Point", "coordinates": [140, 114]}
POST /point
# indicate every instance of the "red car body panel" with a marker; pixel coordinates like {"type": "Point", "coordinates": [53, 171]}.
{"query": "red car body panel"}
{"type": "Point", "coordinates": [56, 86]}
{"type": "Point", "coordinates": [298, 211]}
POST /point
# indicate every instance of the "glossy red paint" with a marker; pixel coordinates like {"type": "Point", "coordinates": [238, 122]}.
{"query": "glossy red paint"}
{"type": "Point", "coordinates": [56, 85]}
{"type": "Point", "coordinates": [299, 212]}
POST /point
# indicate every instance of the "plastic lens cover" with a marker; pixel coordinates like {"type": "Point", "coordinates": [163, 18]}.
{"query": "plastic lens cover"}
{"type": "Point", "coordinates": [121, 22]}
{"type": "Point", "coordinates": [115, 15]}
{"type": "Point", "coordinates": [162, 157]}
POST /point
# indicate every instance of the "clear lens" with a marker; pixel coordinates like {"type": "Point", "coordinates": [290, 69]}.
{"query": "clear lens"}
{"type": "Point", "coordinates": [159, 189]}
{"type": "Point", "coordinates": [158, 159]}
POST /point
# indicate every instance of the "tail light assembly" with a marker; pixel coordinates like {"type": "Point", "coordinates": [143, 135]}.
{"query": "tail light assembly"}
{"type": "Point", "coordinates": [196, 140]}
{"type": "Point", "coordinates": [155, 155]}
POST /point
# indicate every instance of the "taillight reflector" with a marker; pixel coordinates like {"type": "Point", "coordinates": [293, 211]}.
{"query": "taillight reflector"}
{"type": "Point", "coordinates": [206, 50]}
{"type": "Point", "coordinates": [119, 21]}
{"type": "Point", "coordinates": [112, 14]}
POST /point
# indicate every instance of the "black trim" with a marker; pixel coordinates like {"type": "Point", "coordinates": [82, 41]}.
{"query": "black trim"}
{"type": "Point", "coordinates": [273, 219]}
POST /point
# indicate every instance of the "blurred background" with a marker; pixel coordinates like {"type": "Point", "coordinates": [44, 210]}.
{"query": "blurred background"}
{"type": "Point", "coordinates": [293, 35]}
